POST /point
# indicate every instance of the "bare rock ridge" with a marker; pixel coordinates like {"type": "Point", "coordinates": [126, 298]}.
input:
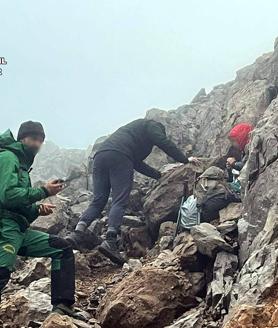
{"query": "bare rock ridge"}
{"type": "Point", "coordinates": [220, 274]}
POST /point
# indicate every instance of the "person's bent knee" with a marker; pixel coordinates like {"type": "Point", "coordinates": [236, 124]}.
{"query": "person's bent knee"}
{"type": "Point", "coordinates": [62, 245]}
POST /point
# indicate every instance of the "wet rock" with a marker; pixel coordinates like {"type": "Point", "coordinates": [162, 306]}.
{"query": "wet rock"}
{"type": "Point", "coordinates": [208, 240]}
{"type": "Point", "coordinates": [139, 300]}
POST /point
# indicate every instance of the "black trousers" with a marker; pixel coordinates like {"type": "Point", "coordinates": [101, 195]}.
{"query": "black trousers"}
{"type": "Point", "coordinates": [112, 171]}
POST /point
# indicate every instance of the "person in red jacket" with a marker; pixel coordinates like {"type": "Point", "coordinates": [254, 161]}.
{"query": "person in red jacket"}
{"type": "Point", "coordinates": [239, 137]}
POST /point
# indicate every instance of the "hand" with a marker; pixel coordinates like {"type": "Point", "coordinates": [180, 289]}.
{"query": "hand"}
{"type": "Point", "coordinates": [194, 160]}
{"type": "Point", "coordinates": [53, 187]}
{"type": "Point", "coordinates": [231, 161]}
{"type": "Point", "coordinates": [46, 209]}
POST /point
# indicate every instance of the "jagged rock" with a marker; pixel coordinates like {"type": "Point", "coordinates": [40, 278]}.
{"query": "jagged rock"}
{"type": "Point", "coordinates": [187, 252]}
{"type": "Point", "coordinates": [78, 209]}
{"type": "Point", "coordinates": [191, 319]}
{"type": "Point", "coordinates": [167, 228]}
{"type": "Point", "coordinates": [139, 300]}
{"type": "Point", "coordinates": [56, 222]}
{"type": "Point", "coordinates": [219, 291]}
{"type": "Point", "coordinates": [132, 221]}
{"type": "Point", "coordinates": [86, 262]}
{"type": "Point", "coordinates": [34, 269]}
{"type": "Point", "coordinates": [227, 227]}
{"type": "Point", "coordinates": [58, 321]}
{"type": "Point", "coordinates": [199, 96]}
{"type": "Point", "coordinates": [165, 242]}
{"type": "Point", "coordinates": [136, 241]}
{"type": "Point", "coordinates": [42, 285]}
{"type": "Point", "coordinates": [260, 316]}
{"type": "Point", "coordinates": [232, 212]}
{"type": "Point", "coordinates": [24, 306]}
{"type": "Point", "coordinates": [257, 277]}
{"type": "Point", "coordinates": [166, 259]}
{"type": "Point", "coordinates": [209, 240]}
{"type": "Point", "coordinates": [132, 265]}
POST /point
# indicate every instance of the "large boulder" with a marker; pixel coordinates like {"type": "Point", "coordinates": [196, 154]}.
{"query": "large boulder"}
{"type": "Point", "coordinates": [141, 301]}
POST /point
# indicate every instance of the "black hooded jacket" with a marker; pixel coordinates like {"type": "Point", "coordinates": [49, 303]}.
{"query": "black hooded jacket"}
{"type": "Point", "coordinates": [136, 141]}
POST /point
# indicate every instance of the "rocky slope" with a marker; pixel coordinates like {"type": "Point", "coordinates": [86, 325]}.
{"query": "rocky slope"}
{"type": "Point", "coordinates": [222, 274]}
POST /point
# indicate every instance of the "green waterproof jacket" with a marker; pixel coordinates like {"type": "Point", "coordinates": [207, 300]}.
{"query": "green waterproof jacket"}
{"type": "Point", "coordinates": [17, 197]}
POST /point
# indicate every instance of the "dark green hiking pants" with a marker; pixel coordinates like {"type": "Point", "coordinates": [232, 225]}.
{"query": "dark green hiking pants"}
{"type": "Point", "coordinates": [34, 243]}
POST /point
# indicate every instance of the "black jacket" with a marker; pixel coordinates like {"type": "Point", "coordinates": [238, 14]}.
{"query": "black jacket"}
{"type": "Point", "coordinates": [136, 140]}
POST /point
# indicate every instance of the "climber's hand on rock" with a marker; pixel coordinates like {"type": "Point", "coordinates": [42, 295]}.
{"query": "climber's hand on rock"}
{"type": "Point", "coordinates": [194, 160]}
{"type": "Point", "coordinates": [46, 209]}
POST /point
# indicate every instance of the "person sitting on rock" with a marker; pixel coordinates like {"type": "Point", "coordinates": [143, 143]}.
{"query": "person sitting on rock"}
{"type": "Point", "coordinates": [18, 209]}
{"type": "Point", "coordinates": [113, 167]}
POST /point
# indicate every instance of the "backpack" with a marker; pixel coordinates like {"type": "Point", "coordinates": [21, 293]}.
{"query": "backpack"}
{"type": "Point", "coordinates": [213, 193]}
{"type": "Point", "coordinates": [189, 213]}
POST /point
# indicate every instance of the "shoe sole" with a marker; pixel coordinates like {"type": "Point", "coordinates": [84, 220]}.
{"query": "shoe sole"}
{"type": "Point", "coordinates": [111, 256]}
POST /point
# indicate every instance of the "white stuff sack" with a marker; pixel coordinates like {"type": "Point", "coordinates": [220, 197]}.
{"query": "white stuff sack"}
{"type": "Point", "coordinates": [189, 213]}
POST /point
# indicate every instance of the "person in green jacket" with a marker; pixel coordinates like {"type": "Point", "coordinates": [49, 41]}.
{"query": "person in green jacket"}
{"type": "Point", "coordinates": [18, 209]}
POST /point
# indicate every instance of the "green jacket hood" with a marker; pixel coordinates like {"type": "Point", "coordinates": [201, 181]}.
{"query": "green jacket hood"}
{"type": "Point", "coordinates": [8, 142]}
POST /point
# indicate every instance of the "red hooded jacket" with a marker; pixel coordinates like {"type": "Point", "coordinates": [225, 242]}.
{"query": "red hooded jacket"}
{"type": "Point", "coordinates": [241, 134]}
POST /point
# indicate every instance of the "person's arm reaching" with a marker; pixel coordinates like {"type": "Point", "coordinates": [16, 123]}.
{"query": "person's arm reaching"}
{"type": "Point", "coordinates": [147, 170]}
{"type": "Point", "coordinates": [158, 136]}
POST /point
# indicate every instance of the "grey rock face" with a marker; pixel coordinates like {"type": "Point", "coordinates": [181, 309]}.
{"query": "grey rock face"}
{"type": "Point", "coordinates": [209, 240]}
{"type": "Point", "coordinates": [55, 162]}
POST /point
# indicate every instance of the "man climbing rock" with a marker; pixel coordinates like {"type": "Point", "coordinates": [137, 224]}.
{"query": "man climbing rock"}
{"type": "Point", "coordinates": [18, 209]}
{"type": "Point", "coordinates": [113, 168]}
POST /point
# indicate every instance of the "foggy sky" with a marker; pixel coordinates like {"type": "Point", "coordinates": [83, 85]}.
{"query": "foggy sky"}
{"type": "Point", "coordinates": [85, 67]}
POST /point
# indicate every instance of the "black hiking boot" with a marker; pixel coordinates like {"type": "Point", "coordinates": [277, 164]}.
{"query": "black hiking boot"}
{"type": "Point", "coordinates": [75, 239]}
{"type": "Point", "coordinates": [68, 310]}
{"type": "Point", "coordinates": [109, 248]}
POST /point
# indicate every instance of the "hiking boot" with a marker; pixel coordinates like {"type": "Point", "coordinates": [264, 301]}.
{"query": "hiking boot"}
{"type": "Point", "coordinates": [109, 248]}
{"type": "Point", "coordinates": [75, 239]}
{"type": "Point", "coordinates": [68, 310]}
